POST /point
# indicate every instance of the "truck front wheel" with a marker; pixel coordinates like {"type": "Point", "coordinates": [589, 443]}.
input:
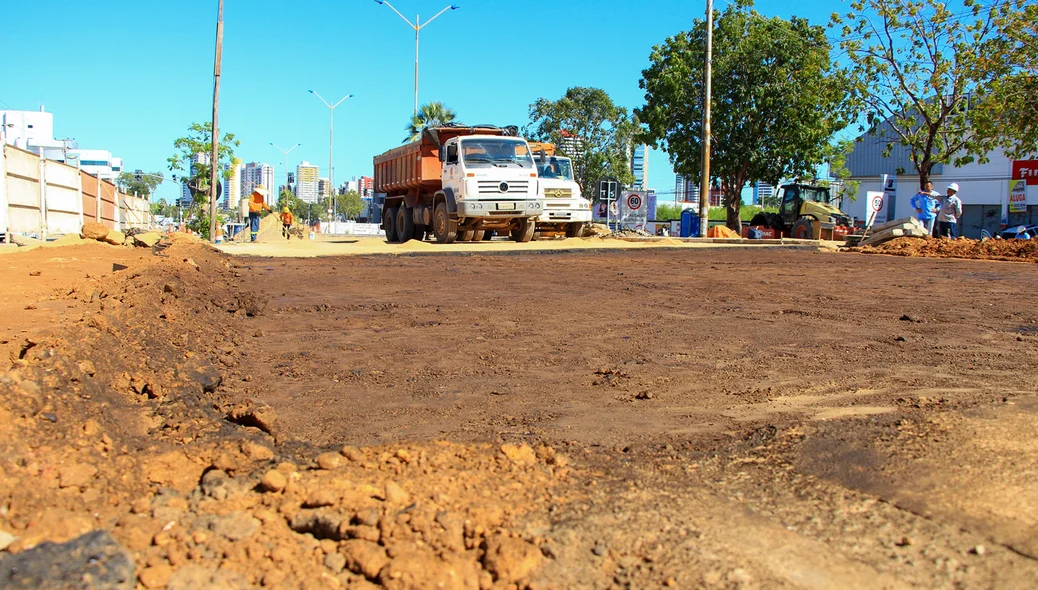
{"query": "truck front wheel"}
{"type": "Point", "coordinates": [524, 233]}
{"type": "Point", "coordinates": [389, 222]}
{"type": "Point", "coordinates": [445, 229]}
{"type": "Point", "coordinates": [803, 229]}
{"type": "Point", "coordinates": [404, 224]}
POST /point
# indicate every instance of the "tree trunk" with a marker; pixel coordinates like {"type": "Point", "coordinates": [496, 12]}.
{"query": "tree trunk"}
{"type": "Point", "coordinates": [734, 222]}
{"type": "Point", "coordinates": [732, 205]}
{"type": "Point", "coordinates": [924, 172]}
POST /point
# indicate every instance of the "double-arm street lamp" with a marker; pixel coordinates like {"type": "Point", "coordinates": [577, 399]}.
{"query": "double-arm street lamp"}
{"type": "Point", "coordinates": [331, 121]}
{"type": "Point", "coordinates": [285, 153]}
{"type": "Point", "coordinates": [417, 26]}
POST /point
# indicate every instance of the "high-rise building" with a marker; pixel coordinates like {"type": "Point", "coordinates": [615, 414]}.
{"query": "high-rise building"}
{"type": "Point", "coordinates": [257, 174]}
{"type": "Point", "coordinates": [685, 189]}
{"type": "Point", "coordinates": [307, 177]}
{"type": "Point", "coordinates": [366, 186]}
{"type": "Point", "coordinates": [570, 144]}
{"type": "Point", "coordinates": [640, 166]}
{"type": "Point", "coordinates": [762, 193]}
{"type": "Point", "coordinates": [324, 188]}
{"type": "Point", "coordinates": [232, 192]}
{"type": "Point", "coordinates": [186, 199]}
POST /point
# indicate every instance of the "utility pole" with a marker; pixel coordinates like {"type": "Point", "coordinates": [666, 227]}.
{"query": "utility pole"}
{"type": "Point", "coordinates": [704, 186]}
{"type": "Point", "coordinates": [214, 162]}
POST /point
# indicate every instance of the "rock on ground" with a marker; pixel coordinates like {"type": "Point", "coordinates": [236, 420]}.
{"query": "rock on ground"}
{"type": "Point", "coordinates": [93, 560]}
{"type": "Point", "coordinates": [95, 231]}
{"type": "Point", "coordinates": [147, 239]}
{"type": "Point", "coordinates": [115, 238]}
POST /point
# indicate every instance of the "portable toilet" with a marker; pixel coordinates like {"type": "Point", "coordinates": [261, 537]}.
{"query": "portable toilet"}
{"type": "Point", "coordinates": [689, 223]}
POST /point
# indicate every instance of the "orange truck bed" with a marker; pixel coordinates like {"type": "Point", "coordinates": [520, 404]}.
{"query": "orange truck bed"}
{"type": "Point", "coordinates": [415, 167]}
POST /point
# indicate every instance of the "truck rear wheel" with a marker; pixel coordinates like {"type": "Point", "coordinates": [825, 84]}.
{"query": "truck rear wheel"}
{"type": "Point", "coordinates": [389, 222]}
{"type": "Point", "coordinates": [465, 235]}
{"type": "Point", "coordinates": [404, 224]}
{"type": "Point", "coordinates": [444, 228]}
{"type": "Point", "coordinates": [574, 230]}
{"type": "Point", "coordinates": [477, 236]}
{"type": "Point", "coordinates": [524, 233]}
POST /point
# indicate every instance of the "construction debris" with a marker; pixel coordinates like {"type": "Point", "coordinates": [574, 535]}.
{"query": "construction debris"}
{"type": "Point", "coordinates": [906, 227]}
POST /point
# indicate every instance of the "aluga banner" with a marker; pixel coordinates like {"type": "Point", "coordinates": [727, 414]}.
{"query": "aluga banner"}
{"type": "Point", "coordinates": [1017, 196]}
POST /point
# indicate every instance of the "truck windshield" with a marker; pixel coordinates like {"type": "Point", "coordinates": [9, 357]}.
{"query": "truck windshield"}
{"type": "Point", "coordinates": [496, 151]}
{"type": "Point", "coordinates": [554, 167]}
{"type": "Point", "coordinates": [818, 195]}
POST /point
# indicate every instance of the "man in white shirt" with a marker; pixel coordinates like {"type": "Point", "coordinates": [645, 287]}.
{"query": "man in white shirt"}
{"type": "Point", "coordinates": [950, 213]}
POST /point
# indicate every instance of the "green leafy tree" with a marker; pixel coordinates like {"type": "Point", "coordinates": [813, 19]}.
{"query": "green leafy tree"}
{"type": "Point", "coordinates": [922, 69]}
{"type": "Point", "coordinates": [588, 127]}
{"type": "Point", "coordinates": [842, 187]}
{"type": "Point", "coordinates": [1011, 113]}
{"type": "Point", "coordinates": [349, 204]}
{"type": "Point", "coordinates": [777, 100]}
{"type": "Point", "coordinates": [128, 183]}
{"type": "Point", "coordinates": [666, 212]}
{"type": "Point", "coordinates": [430, 115]}
{"type": "Point", "coordinates": [199, 141]}
{"type": "Point", "coordinates": [300, 209]}
{"type": "Point", "coordinates": [161, 207]}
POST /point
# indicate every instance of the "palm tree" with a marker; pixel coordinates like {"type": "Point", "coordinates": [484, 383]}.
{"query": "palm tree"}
{"type": "Point", "coordinates": [430, 115]}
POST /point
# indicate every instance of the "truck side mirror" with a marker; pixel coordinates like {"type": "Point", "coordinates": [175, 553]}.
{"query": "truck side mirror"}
{"type": "Point", "coordinates": [443, 154]}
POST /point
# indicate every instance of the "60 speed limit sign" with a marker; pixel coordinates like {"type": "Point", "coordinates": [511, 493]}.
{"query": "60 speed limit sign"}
{"type": "Point", "coordinates": [634, 202]}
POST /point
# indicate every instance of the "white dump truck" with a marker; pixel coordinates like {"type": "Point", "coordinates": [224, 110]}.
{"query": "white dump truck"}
{"type": "Point", "coordinates": [460, 182]}
{"type": "Point", "coordinates": [565, 209]}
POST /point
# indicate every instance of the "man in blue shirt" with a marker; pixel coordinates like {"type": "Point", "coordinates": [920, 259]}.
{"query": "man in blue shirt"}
{"type": "Point", "coordinates": [925, 204]}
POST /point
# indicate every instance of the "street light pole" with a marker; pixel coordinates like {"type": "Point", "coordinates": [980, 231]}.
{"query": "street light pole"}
{"type": "Point", "coordinates": [285, 152]}
{"type": "Point", "coordinates": [331, 141]}
{"type": "Point", "coordinates": [417, 26]}
{"type": "Point", "coordinates": [704, 186]}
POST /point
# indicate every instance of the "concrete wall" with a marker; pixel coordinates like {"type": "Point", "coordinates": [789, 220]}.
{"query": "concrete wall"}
{"type": "Point", "coordinates": [44, 198]}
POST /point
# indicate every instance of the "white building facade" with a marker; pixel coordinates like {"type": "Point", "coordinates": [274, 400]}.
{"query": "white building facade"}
{"type": "Point", "coordinates": [983, 188]}
{"type": "Point", "coordinates": [256, 174]}
{"type": "Point", "coordinates": [307, 181]}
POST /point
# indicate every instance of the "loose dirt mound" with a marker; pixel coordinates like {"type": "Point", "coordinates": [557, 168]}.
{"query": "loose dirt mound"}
{"type": "Point", "coordinates": [1015, 250]}
{"type": "Point", "coordinates": [124, 423]}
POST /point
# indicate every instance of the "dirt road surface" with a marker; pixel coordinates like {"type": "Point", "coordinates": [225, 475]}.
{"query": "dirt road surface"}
{"type": "Point", "coordinates": [720, 418]}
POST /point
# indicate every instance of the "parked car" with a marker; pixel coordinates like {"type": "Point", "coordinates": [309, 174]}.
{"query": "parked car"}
{"type": "Point", "coordinates": [1020, 232]}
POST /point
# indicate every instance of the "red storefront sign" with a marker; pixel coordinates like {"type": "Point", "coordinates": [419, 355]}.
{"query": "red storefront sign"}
{"type": "Point", "coordinates": [1026, 170]}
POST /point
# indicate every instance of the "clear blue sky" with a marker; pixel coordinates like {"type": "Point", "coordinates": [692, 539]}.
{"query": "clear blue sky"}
{"type": "Point", "coordinates": [130, 76]}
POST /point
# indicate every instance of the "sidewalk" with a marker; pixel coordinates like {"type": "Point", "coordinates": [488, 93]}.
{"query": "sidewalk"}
{"type": "Point", "coordinates": [365, 245]}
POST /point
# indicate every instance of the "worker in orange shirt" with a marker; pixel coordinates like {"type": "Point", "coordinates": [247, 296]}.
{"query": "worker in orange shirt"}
{"type": "Point", "coordinates": [257, 203]}
{"type": "Point", "coordinates": [286, 222]}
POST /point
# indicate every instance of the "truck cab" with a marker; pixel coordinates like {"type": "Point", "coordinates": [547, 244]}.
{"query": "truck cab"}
{"type": "Point", "coordinates": [565, 209]}
{"type": "Point", "coordinates": [493, 180]}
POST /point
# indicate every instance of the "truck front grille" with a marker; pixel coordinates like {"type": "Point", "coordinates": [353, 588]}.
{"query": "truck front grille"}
{"type": "Point", "coordinates": [512, 187]}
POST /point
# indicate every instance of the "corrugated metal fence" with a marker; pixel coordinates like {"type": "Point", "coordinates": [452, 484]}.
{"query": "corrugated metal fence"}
{"type": "Point", "coordinates": [44, 198]}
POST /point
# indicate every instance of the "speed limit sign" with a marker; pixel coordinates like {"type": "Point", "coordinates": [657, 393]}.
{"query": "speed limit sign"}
{"type": "Point", "coordinates": [634, 201]}
{"type": "Point", "coordinates": [877, 202]}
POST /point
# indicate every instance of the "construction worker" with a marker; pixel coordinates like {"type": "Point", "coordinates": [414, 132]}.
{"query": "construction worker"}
{"type": "Point", "coordinates": [286, 222]}
{"type": "Point", "coordinates": [257, 203]}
